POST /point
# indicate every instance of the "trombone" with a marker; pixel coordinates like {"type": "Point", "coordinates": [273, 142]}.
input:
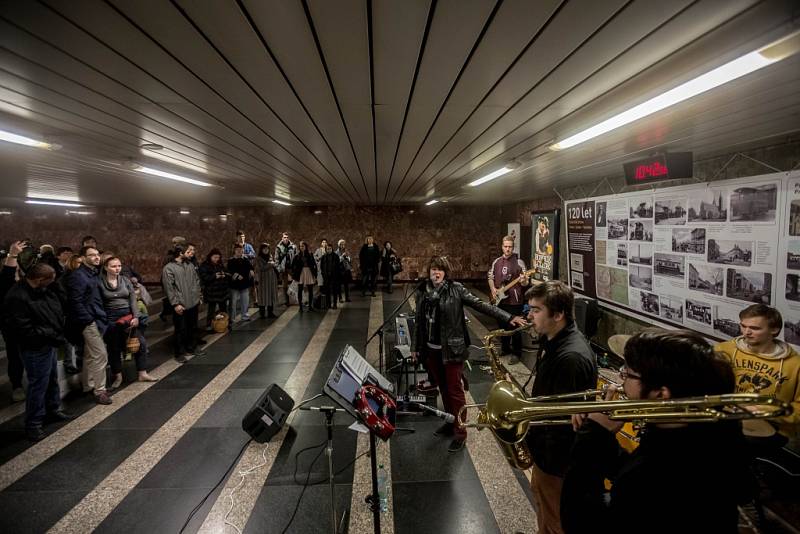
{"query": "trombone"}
{"type": "Point", "coordinates": [509, 413]}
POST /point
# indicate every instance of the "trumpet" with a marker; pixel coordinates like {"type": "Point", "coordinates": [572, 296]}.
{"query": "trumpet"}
{"type": "Point", "coordinates": [509, 413]}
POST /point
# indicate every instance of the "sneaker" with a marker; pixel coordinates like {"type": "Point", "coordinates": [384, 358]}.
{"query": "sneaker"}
{"type": "Point", "coordinates": [18, 395]}
{"type": "Point", "coordinates": [57, 416]}
{"type": "Point", "coordinates": [456, 445]}
{"type": "Point", "coordinates": [36, 433]}
{"type": "Point", "coordinates": [245, 317]}
{"type": "Point", "coordinates": [181, 358]}
{"type": "Point", "coordinates": [102, 398]}
{"type": "Point", "coordinates": [444, 430]}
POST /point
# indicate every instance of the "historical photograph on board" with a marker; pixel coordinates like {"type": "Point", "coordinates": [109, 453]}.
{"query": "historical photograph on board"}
{"type": "Point", "coordinates": [622, 254]}
{"type": "Point", "coordinates": [793, 255]}
{"type": "Point", "coordinates": [640, 253]}
{"type": "Point", "coordinates": [730, 252]}
{"type": "Point", "coordinates": [671, 211]}
{"type": "Point", "coordinates": [689, 240]}
{"type": "Point", "coordinates": [640, 277]}
{"type": "Point", "coordinates": [726, 320]}
{"type": "Point", "coordinates": [791, 330]}
{"type": "Point", "coordinates": [749, 286]}
{"type": "Point", "coordinates": [706, 278]}
{"type": "Point", "coordinates": [617, 228]}
{"type": "Point", "coordinates": [600, 218]}
{"type": "Point", "coordinates": [707, 206]}
{"type": "Point", "coordinates": [754, 204]}
{"type": "Point", "coordinates": [612, 284]}
{"type": "Point", "coordinates": [672, 308]}
{"type": "Point", "coordinates": [792, 289]}
{"type": "Point", "coordinates": [794, 218]}
{"type": "Point", "coordinates": [641, 231]}
{"type": "Point", "coordinates": [648, 302]}
{"type": "Point", "coordinates": [577, 280]}
{"type": "Point", "coordinates": [641, 208]}
{"type": "Point", "coordinates": [698, 311]}
{"type": "Point", "coordinates": [670, 265]}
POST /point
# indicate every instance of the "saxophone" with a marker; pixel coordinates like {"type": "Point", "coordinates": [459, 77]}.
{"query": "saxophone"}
{"type": "Point", "coordinates": [517, 454]}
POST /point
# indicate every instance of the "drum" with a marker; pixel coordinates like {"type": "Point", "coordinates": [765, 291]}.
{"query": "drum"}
{"type": "Point", "coordinates": [628, 437]}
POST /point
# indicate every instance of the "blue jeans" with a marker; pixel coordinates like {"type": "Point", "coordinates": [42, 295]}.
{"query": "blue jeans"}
{"type": "Point", "coordinates": [43, 395]}
{"type": "Point", "coordinates": [240, 298]}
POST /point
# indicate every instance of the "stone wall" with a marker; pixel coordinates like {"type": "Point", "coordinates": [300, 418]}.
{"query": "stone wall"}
{"type": "Point", "coordinates": [468, 235]}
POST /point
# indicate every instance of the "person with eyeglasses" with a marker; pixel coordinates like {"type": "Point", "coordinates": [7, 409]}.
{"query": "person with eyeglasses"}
{"type": "Point", "coordinates": [566, 363]}
{"type": "Point", "coordinates": [682, 477]}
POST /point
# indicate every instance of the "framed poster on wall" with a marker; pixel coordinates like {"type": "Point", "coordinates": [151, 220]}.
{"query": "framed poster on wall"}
{"type": "Point", "coordinates": [544, 243]}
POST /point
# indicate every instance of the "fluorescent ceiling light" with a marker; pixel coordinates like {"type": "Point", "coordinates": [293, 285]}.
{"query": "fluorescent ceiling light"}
{"type": "Point", "coordinates": [431, 202]}
{"type": "Point", "coordinates": [53, 203]}
{"type": "Point", "coordinates": [170, 176]}
{"type": "Point", "coordinates": [491, 176]}
{"type": "Point", "coordinates": [730, 71]}
{"type": "Point", "coordinates": [22, 140]}
{"type": "Point", "coordinates": [79, 212]}
{"type": "Point", "coordinates": [184, 212]}
{"type": "Point", "coordinates": [281, 202]}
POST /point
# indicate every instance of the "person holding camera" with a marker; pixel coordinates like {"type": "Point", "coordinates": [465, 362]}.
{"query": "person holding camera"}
{"type": "Point", "coordinates": [216, 285]}
{"type": "Point", "coordinates": [241, 270]}
{"type": "Point", "coordinates": [8, 277]}
{"type": "Point", "coordinates": [390, 264]}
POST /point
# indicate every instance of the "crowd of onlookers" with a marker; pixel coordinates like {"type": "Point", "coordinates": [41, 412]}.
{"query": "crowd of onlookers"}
{"type": "Point", "coordinates": [94, 309]}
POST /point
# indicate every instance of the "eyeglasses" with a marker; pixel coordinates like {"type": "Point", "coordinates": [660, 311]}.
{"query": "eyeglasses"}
{"type": "Point", "coordinates": [624, 374]}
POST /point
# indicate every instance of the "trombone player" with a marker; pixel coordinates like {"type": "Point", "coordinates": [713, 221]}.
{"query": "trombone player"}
{"type": "Point", "coordinates": [565, 364]}
{"type": "Point", "coordinates": [682, 477]}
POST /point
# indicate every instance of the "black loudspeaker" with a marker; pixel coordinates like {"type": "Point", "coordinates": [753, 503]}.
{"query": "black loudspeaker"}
{"type": "Point", "coordinates": [268, 414]}
{"type": "Point", "coordinates": [587, 315]}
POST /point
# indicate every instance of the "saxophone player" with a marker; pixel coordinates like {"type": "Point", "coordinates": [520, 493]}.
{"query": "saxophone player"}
{"type": "Point", "coordinates": [565, 364]}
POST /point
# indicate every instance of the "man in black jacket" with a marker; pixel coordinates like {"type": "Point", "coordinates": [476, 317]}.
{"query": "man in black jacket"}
{"type": "Point", "coordinates": [441, 337]}
{"type": "Point", "coordinates": [566, 364]}
{"type": "Point", "coordinates": [34, 310]}
{"type": "Point", "coordinates": [368, 259]}
{"type": "Point", "coordinates": [7, 280]}
{"type": "Point", "coordinates": [682, 477]}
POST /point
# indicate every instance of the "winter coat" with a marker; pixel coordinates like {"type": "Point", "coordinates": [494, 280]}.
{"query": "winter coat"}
{"type": "Point", "coordinates": [241, 267]}
{"type": "Point", "coordinates": [368, 258]}
{"type": "Point", "coordinates": [303, 260]}
{"type": "Point", "coordinates": [214, 289]}
{"type": "Point", "coordinates": [84, 303]}
{"type": "Point", "coordinates": [181, 284]}
{"type": "Point", "coordinates": [329, 265]}
{"type": "Point", "coordinates": [35, 316]}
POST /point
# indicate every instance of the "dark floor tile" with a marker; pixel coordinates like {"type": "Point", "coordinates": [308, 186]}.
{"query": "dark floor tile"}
{"type": "Point", "coordinates": [150, 410]}
{"type": "Point", "coordinates": [137, 513]}
{"type": "Point", "coordinates": [261, 374]}
{"type": "Point", "coordinates": [198, 460]}
{"type": "Point", "coordinates": [82, 464]}
{"type": "Point", "coordinates": [275, 506]}
{"type": "Point", "coordinates": [423, 457]}
{"type": "Point", "coordinates": [193, 377]}
{"type": "Point", "coordinates": [298, 438]}
{"type": "Point", "coordinates": [455, 506]}
{"type": "Point", "coordinates": [34, 511]}
{"type": "Point", "coordinates": [228, 410]}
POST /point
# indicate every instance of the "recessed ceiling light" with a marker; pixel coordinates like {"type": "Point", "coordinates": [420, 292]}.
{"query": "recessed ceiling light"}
{"type": "Point", "coordinates": [27, 141]}
{"type": "Point", "coordinates": [53, 203]}
{"type": "Point", "coordinates": [184, 212]}
{"type": "Point", "coordinates": [730, 71]}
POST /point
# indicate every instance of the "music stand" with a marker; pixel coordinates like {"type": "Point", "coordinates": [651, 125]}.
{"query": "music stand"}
{"type": "Point", "coordinates": [349, 374]}
{"type": "Point", "coordinates": [379, 331]}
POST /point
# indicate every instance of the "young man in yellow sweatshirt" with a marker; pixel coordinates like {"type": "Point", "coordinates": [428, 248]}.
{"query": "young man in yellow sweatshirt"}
{"type": "Point", "coordinates": [764, 364]}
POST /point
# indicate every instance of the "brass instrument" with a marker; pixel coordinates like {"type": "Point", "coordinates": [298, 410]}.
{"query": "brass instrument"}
{"type": "Point", "coordinates": [508, 413]}
{"type": "Point", "coordinates": [516, 451]}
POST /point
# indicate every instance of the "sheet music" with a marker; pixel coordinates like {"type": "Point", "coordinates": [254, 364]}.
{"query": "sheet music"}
{"type": "Point", "coordinates": [360, 369]}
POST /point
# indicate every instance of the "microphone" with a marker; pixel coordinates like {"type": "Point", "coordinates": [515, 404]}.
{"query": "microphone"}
{"type": "Point", "coordinates": [448, 417]}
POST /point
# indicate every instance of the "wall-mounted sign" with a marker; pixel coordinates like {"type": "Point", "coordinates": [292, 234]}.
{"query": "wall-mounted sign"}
{"type": "Point", "coordinates": [658, 168]}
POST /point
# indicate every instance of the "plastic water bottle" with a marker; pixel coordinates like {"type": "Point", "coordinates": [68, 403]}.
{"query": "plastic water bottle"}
{"type": "Point", "coordinates": [401, 336]}
{"type": "Point", "coordinates": [383, 488]}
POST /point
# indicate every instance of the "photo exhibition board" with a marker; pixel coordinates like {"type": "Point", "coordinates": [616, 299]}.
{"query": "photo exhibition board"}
{"type": "Point", "coordinates": [692, 256]}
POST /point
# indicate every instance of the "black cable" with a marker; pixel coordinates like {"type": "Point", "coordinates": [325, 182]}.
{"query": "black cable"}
{"type": "Point", "coordinates": [308, 477]}
{"type": "Point", "coordinates": [227, 472]}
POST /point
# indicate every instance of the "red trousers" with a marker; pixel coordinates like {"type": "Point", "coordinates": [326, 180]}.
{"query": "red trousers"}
{"type": "Point", "coordinates": [448, 378]}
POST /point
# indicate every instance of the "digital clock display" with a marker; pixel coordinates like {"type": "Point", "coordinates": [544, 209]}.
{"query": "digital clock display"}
{"type": "Point", "coordinates": [659, 168]}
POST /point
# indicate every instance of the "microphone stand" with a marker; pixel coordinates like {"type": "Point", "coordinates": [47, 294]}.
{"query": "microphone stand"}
{"type": "Point", "coordinates": [379, 332]}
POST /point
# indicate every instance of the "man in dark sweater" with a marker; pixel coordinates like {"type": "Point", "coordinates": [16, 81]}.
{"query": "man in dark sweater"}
{"type": "Point", "coordinates": [565, 364]}
{"type": "Point", "coordinates": [34, 310]}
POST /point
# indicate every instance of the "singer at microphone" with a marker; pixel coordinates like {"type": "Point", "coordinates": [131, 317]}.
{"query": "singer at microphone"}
{"type": "Point", "coordinates": [441, 339]}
